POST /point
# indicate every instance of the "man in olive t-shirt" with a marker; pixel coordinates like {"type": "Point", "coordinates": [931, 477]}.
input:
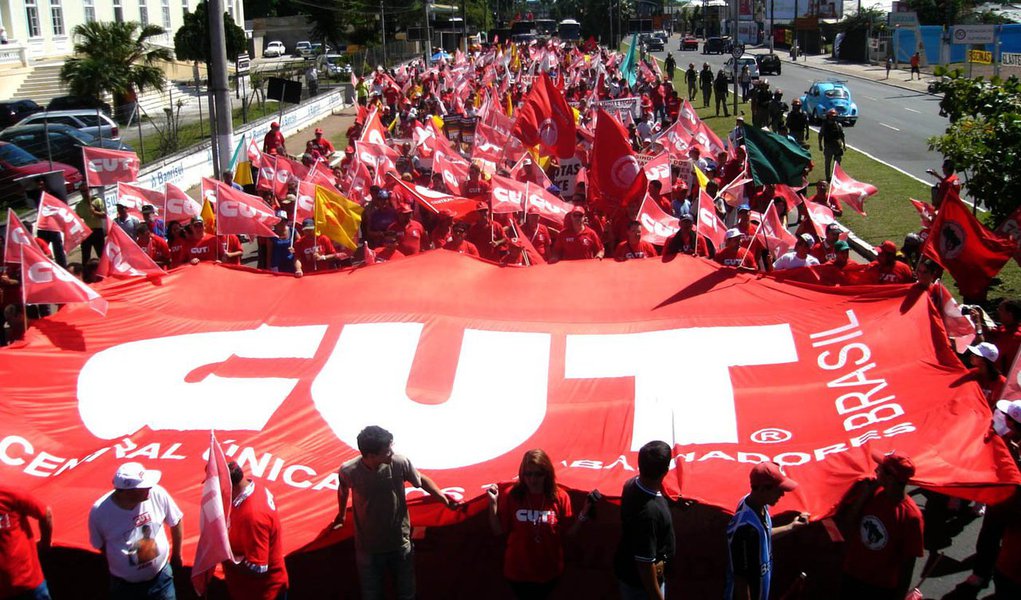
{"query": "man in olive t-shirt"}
{"type": "Point", "coordinates": [376, 481]}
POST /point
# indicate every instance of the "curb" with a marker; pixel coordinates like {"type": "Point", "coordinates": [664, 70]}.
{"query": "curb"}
{"type": "Point", "coordinates": [816, 67]}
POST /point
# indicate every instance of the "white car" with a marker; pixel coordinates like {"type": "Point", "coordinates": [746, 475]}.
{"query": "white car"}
{"type": "Point", "coordinates": [303, 49]}
{"type": "Point", "coordinates": [746, 60]}
{"type": "Point", "coordinates": [93, 122]}
{"type": "Point", "coordinates": [274, 49]}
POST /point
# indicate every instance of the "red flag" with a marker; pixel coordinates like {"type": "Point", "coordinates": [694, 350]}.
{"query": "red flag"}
{"type": "Point", "coordinates": [688, 116]}
{"type": "Point", "coordinates": [709, 224]}
{"type": "Point", "coordinates": [545, 119]}
{"type": "Point", "coordinates": [436, 201]}
{"type": "Point", "coordinates": [508, 194]}
{"type": "Point", "coordinates": [179, 206]}
{"type": "Point", "coordinates": [842, 187]}
{"type": "Point", "coordinates": [213, 546]}
{"type": "Point", "coordinates": [708, 140]}
{"type": "Point", "coordinates": [453, 173]}
{"type": "Point", "coordinates": [549, 207]}
{"type": "Point", "coordinates": [775, 232]}
{"type": "Point", "coordinates": [380, 157]}
{"type": "Point", "coordinates": [54, 215]}
{"type": "Point", "coordinates": [240, 213]}
{"type": "Point", "coordinates": [818, 217]}
{"type": "Point", "coordinates": [122, 258]}
{"type": "Point", "coordinates": [927, 213]}
{"type": "Point", "coordinates": [16, 236]}
{"type": "Point", "coordinates": [787, 193]}
{"type": "Point", "coordinates": [107, 167]}
{"type": "Point", "coordinates": [658, 169]}
{"type": "Point", "coordinates": [677, 140]}
{"type": "Point", "coordinates": [135, 197]}
{"type": "Point", "coordinates": [657, 226]}
{"type": "Point", "coordinates": [45, 282]}
{"type": "Point", "coordinates": [967, 249]}
{"type": "Point", "coordinates": [373, 131]}
{"type": "Point", "coordinates": [616, 176]}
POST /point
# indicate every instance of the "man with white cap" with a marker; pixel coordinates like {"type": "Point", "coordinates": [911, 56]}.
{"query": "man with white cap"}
{"type": "Point", "coordinates": [750, 534]}
{"type": "Point", "coordinates": [733, 253]}
{"type": "Point", "coordinates": [799, 256]}
{"type": "Point", "coordinates": [126, 525]}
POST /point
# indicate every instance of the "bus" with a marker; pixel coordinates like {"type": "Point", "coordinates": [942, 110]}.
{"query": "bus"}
{"type": "Point", "coordinates": [546, 27]}
{"type": "Point", "coordinates": [569, 30]}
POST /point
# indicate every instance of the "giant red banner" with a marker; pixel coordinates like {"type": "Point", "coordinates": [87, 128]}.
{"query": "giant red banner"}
{"type": "Point", "coordinates": [470, 364]}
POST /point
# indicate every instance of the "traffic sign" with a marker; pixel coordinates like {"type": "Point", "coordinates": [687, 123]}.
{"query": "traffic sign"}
{"type": "Point", "coordinates": [737, 50]}
{"type": "Point", "coordinates": [972, 34]}
{"type": "Point", "coordinates": [1010, 59]}
{"type": "Point", "coordinates": [981, 57]}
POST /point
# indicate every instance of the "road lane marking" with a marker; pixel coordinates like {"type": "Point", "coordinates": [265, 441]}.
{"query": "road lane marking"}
{"type": "Point", "coordinates": [871, 98]}
{"type": "Point", "coordinates": [889, 127]}
{"type": "Point", "coordinates": [913, 110]}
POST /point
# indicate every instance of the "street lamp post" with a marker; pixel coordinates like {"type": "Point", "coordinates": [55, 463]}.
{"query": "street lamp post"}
{"type": "Point", "coordinates": [382, 30]}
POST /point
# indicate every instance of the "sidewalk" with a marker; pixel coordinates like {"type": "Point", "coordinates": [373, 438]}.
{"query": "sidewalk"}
{"type": "Point", "coordinates": [877, 73]}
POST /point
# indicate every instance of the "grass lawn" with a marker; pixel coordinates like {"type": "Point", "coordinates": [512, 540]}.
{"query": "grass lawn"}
{"type": "Point", "coordinates": [890, 214]}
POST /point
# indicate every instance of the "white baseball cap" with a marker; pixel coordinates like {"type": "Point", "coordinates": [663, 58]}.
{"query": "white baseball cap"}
{"type": "Point", "coordinates": [132, 476]}
{"type": "Point", "coordinates": [986, 351]}
{"type": "Point", "coordinates": [1010, 408]}
{"type": "Point", "coordinates": [732, 233]}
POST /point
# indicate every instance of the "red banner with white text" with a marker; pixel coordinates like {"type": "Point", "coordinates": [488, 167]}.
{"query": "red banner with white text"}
{"type": "Point", "coordinates": [469, 365]}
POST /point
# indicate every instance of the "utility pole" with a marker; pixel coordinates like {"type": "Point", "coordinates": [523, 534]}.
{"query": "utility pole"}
{"type": "Point", "coordinates": [464, 24]}
{"type": "Point", "coordinates": [382, 30]}
{"type": "Point", "coordinates": [771, 36]}
{"type": "Point", "coordinates": [428, 35]}
{"type": "Point", "coordinates": [223, 141]}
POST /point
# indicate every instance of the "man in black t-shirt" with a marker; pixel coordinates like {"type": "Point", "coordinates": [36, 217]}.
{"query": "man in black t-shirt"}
{"type": "Point", "coordinates": [647, 540]}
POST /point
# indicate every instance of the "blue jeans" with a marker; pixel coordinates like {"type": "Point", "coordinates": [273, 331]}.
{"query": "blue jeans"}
{"type": "Point", "coordinates": [40, 593]}
{"type": "Point", "coordinates": [160, 587]}
{"type": "Point", "coordinates": [374, 568]}
{"type": "Point", "coordinates": [630, 592]}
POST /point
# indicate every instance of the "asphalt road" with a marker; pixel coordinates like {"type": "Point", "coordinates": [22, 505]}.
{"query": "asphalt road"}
{"type": "Point", "coordinates": [894, 123]}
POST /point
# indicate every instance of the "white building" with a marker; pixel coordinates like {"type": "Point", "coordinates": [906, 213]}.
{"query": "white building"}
{"type": "Point", "coordinates": [39, 31]}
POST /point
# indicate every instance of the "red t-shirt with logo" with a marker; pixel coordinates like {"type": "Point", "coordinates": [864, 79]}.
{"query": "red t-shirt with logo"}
{"type": "Point", "coordinates": [157, 249]}
{"type": "Point", "coordinates": [888, 533]}
{"type": "Point", "coordinates": [736, 256]}
{"type": "Point", "coordinates": [409, 237]}
{"type": "Point", "coordinates": [305, 248]}
{"type": "Point", "coordinates": [897, 273]}
{"type": "Point", "coordinates": [540, 238]}
{"type": "Point", "coordinates": [476, 190]}
{"type": "Point", "coordinates": [535, 527]}
{"type": "Point", "coordinates": [204, 249]}
{"type": "Point", "coordinates": [625, 251]}
{"type": "Point", "coordinates": [578, 246]}
{"type": "Point", "coordinates": [19, 562]}
{"type": "Point", "coordinates": [255, 540]}
{"type": "Point", "coordinates": [464, 247]}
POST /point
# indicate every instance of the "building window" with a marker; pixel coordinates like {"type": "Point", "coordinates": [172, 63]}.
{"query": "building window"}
{"type": "Point", "coordinates": [118, 11]}
{"type": "Point", "coordinates": [32, 16]}
{"type": "Point", "coordinates": [57, 17]}
{"type": "Point", "coordinates": [184, 6]}
{"type": "Point", "coordinates": [90, 11]}
{"type": "Point", "coordinates": [143, 13]}
{"type": "Point", "coordinates": [166, 15]}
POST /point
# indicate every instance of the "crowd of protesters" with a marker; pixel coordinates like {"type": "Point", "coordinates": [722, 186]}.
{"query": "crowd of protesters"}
{"type": "Point", "coordinates": [883, 525]}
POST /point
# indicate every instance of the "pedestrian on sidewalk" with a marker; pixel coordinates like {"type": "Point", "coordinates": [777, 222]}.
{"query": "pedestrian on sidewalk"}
{"type": "Point", "coordinates": [705, 82]}
{"type": "Point", "coordinates": [720, 88]}
{"type": "Point", "coordinates": [889, 65]}
{"type": "Point", "coordinates": [831, 141]}
{"type": "Point", "coordinates": [745, 79]}
{"type": "Point", "coordinates": [691, 77]}
{"type": "Point", "coordinates": [915, 62]}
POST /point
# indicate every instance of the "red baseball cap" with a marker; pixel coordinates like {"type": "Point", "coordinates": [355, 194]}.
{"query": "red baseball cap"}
{"type": "Point", "coordinates": [899, 467]}
{"type": "Point", "coordinates": [888, 247]}
{"type": "Point", "coordinates": [769, 474]}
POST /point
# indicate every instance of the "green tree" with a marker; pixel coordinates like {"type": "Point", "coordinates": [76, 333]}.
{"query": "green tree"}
{"type": "Point", "coordinates": [983, 137]}
{"type": "Point", "coordinates": [938, 12]}
{"type": "Point", "coordinates": [114, 58]}
{"type": "Point", "coordinates": [191, 42]}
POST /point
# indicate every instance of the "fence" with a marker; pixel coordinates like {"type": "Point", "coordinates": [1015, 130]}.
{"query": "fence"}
{"type": "Point", "coordinates": [396, 52]}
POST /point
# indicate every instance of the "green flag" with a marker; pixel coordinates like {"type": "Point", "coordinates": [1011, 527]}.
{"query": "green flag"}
{"type": "Point", "coordinates": [774, 158]}
{"type": "Point", "coordinates": [629, 66]}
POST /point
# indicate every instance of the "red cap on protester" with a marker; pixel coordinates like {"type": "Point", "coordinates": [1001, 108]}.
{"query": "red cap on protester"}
{"type": "Point", "coordinates": [480, 205]}
{"type": "Point", "coordinates": [769, 474]}
{"type": "Point", "coordinates": [888, 247]}
{"type": "Point", "coordinates": [898, 466]}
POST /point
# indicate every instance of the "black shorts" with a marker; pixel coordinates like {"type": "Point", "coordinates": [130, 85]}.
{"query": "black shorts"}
{"type": "Point", "coordinates": [915, 70]}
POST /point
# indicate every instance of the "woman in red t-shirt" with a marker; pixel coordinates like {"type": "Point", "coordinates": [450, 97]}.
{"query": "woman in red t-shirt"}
{"type": "Point", "coordinates": [533, 512]}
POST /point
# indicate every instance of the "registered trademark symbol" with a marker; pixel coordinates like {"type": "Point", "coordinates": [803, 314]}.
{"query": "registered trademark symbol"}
{"type": "Point", "coordinates": [771, 435]}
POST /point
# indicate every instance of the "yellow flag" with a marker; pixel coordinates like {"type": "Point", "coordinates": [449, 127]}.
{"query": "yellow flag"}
{"type": "Point", "coordinates": [337, 217]}
{"type": "Point", "coordinates": [208, 218]}
{"type": "Point", "coordinates": [510, 106]}
{"type": "Point", "coordinates": [702, 179]}
{"type": "Point", "coordinates": [243, 174]}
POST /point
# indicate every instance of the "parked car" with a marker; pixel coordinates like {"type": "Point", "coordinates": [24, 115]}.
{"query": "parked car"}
{"type": "Point", "coordinates": [56, 142]}
{"type": "Point", "coordinates": [12, 111]}
{"type": "Point", "coordinates": [745, 61]}
{"type": "Point", "coordinates": [661, 34]}
{"type": "Point", "coordinates": [274, 49]}
{"type": "Point", "coordinates": [334, 65]}
{"type": "Point", "coordinates": [78, 103]}
{"type": "Point", "coordinates": [303, 49]}
{"type": "Point", "coordinates": [716, 45]}
{"type": "Point", "coordinates": [824, 95]}
{"type": "Point", "coordinates": [689, 42]}
{"type": "Point", "coordinates": [16, 163]}
{"type": "Point", "coordinates": [91, 122]}
{"type": "Point", "coordinates": [768, 63]}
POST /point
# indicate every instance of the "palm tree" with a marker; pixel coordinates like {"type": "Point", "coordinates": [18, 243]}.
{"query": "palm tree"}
{"type": "Point", "coordinates": [115, 58]}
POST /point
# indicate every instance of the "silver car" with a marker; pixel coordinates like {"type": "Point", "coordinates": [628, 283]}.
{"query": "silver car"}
{"type": "Point", "coordinates": [93, 122]}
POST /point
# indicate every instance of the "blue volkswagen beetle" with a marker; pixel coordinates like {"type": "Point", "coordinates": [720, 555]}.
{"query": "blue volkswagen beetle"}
{"type": "Point", "coordinates": [826, 95]}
